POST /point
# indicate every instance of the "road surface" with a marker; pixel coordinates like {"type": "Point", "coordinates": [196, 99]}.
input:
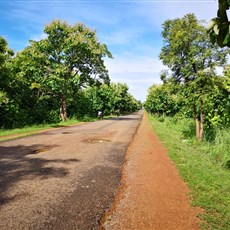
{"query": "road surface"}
{"type": "Point", "coordinates": [152, 195]}
{"type": "Point", "coordinates": [64, 178]}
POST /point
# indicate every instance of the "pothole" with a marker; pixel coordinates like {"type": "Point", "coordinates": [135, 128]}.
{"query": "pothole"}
{"type": "Point", "coordinates": [44, 149]}
{"type": "Point", "coordinates": [66, 132]}
{"type": "Point", "coordinates": [96, 140]}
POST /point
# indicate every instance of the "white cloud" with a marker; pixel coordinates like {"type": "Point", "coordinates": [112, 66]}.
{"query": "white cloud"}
{"type": "Point", "coordinates": [132, 63]}
{"type": "Point", "coordinates": [38, 37]}
{"type": "Point", "coordinates": [138, 83]}
{"type": "Point", "coordinates": [139, 72]}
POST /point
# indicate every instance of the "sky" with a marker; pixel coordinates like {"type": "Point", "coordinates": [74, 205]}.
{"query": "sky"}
{"type": "Point", "coordinates": [130, 29]}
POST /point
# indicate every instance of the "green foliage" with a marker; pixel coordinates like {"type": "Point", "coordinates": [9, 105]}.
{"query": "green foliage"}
{"type": "Point", "coordinates": [161, 101]}
{"type": "Point", "coordinates": [203, 166]}
{"type": "Point", "coordinates": [69, 58]}
{"type": "Point", "coordinates": [5, 56]}
{"type": "Point", "coordinates": [64, 71]}
{"type": "Point", "coordinates": [122, 100]}
{"type": "Point", "coordinates": [6, 106]}
{"type": "Point", "coordinates": [192, 60]}
{"type": "Point", "coordinates": [187, 51]}
{"type": "Point", "coordinates": [110, 98]}
{"type": "Point", "coordinates": [218, 28]}
{"type": "Point", "coordinates": [192, 88]}
{"type": "Point", "coordinates": [100, 99]}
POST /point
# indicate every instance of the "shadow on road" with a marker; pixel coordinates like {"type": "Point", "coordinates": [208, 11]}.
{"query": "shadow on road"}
{"type": "Point", "coordinates": [123, 118]}
{"type": "Point", "coordinates": [20, 162]}
{"type": "Point", "coordinates": [135, 117]}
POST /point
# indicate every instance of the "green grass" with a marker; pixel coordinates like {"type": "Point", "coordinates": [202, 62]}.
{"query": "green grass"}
{"type": "Point", "coordinates": [204, 166]}
{"type": "Point", "coordinates": [29, 130]}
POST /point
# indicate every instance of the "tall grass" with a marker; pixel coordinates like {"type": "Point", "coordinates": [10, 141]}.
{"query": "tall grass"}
{"type": "Point", "coordinates": [204, 166]}
{"type": "Point", "coordinates": [219, 149]}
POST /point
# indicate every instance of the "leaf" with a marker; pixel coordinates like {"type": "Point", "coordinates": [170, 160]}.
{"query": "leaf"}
{"type": "Point", "coordinates": [213, 37]}
{"type": "Point", "coordinates": [212, 23]}
{"type": "Point", "coordinates": [216, 29]}
{"type": "Point", "coordinates": [226, 39]}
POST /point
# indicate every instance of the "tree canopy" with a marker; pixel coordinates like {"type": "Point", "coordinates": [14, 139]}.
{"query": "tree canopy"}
{"type": "Point", "coordinates": [5, 56]}
{"type": "Point", "coordinates": [63, 72]}
{"type": "Point", "coordinates": [192, 61]}
{"type": "Point", "coordinates": [68, 58]}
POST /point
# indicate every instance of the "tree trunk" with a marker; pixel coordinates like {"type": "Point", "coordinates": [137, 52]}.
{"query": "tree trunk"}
{"type": "Point", "coordinates": [201, 120]}
{"type": "Point", "coordinates": [197, 129]}
{"type": "Point", "coordinates": [63, 108]}
{"type": "Point", "coordinates": [197, 122]}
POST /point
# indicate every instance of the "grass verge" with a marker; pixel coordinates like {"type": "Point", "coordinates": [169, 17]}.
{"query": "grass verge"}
{"type": "Point", "coordinates": [200, 165]}
{"type": "Point", "coordinates": [6, 134]}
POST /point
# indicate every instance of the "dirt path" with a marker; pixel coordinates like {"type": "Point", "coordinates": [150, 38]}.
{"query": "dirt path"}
{"type": "Point", "coordinates": [152, 194]}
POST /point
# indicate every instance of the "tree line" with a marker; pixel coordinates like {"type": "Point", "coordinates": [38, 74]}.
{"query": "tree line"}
{"type": "Point", "coordinates": [192, 86]}
{"type": "Point", "coordinates": [62, 75]}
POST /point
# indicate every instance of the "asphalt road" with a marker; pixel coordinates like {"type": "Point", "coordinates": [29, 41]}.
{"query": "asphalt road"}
{"type": "Point", "coordinates": [64, 178]}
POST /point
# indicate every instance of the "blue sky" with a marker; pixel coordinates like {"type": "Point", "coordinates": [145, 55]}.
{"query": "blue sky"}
{"type": "Point", "coordinates": [130, 29]}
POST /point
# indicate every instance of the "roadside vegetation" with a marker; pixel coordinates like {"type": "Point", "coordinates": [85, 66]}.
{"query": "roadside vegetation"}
{"type": "Point", "coordinates": [204, 166]}
{"type": "Point", "coordinates": [190, 111]}
{"type": "Point", "coordinates": [61, 76]}
{"type": "Point", "coordinates": [28, 130]}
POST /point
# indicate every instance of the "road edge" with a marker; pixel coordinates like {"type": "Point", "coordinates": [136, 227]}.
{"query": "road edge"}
{"type": "Point", "coordinates": [123, 183]}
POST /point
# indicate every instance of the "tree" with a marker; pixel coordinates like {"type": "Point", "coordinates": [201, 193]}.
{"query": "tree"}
{"type": "Point", "coordinates": [5, 56]}
{"type": "Point", "coordinates": [70, 57]}
{"type": "Point", "coordinates": [110, 98]}
{"type": "Point", "coordinates": [122, 101]}
{"type": "Point", "coordinates": [161, 101]}
{"type": "Point", "coordinates": [192, 60]}
{"type": "Point", "coordinates": [100, 99]}
{"type": "Point", "coordinates": [218, 28]}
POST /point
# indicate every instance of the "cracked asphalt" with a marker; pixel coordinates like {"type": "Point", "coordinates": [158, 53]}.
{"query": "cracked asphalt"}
{"type": "Point", "coordinates": [65, 178]}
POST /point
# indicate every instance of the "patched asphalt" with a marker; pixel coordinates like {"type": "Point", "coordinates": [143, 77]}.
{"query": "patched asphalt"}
{"type": "Point", "coordinates": [65, 178]}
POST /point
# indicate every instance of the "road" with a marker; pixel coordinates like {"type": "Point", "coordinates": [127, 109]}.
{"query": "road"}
{"type": "Point", "coordinates": [64, 178]}
{"type": "Point", "coordinates": [152, 195]}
